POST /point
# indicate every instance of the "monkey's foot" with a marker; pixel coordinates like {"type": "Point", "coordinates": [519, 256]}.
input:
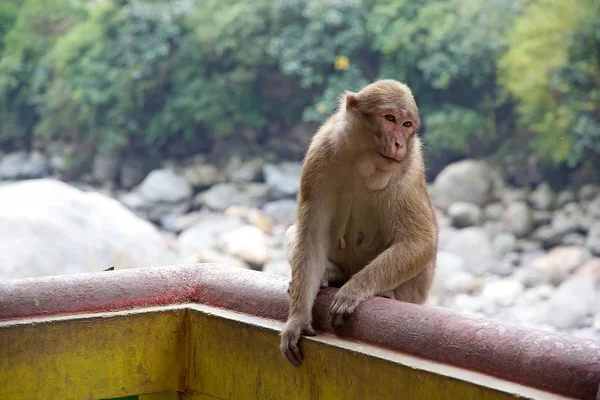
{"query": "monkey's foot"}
{"type": "Point", "coordinates": [343, 305]}
{"type": "Point", "coordinates": [290, 339]}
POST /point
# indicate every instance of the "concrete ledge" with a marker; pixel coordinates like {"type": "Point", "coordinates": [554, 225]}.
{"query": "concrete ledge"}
{"type": "Point", "coordinates": [557, 363]}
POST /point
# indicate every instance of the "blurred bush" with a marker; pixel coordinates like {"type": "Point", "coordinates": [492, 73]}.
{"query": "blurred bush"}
{"type": "Point", "coordinates": [488, 75]}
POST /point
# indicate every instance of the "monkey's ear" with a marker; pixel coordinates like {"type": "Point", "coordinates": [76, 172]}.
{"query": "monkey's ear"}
{"type": "Point", "coordinates": [351, 100]}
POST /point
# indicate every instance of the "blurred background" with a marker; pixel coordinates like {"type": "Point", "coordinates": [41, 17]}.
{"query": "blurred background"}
{"type": "Point", "coordinates": [143, 133]}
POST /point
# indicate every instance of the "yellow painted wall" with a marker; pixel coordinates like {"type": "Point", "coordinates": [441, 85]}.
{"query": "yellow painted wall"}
{"type": "Point", "coordinates": [179, 353]}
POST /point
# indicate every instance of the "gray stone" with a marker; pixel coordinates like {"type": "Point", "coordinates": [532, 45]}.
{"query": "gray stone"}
{"type": "Point", "coordinates": [20, 165]}
{"type": "Point", "coordinates": [165, 186]}
{"type": "Point", "coordinates": [279, 266]}
{"type": "Point", "coordinates": [247, 243]}
{"type": "Point", "coordinates": [468, 180]}
{"type": "Point", "coordinates": [518, 219]}
{"type": "Point", "coordinates": [504, 243]}
{"type": "Point", "coordinates": [558, 264]}
{"type": "Point", "coordinates": [463, 214]}
{"type": "Point", "coordinates": [471, 244]}
{"type": "Point", "coordinates": [564, 197]}
{"type": "Point", "coordinates": [204, 234]}
{"type": "Point", "coordinates": [283, 179]}
{"type": "Point", "coordinates": [493, 211]}
{"type": "Point", "coordinates": [201, 175]}
{"type": "Point", "coordinates": [248, 171]}
{"type": "Point", "coordinates": [448, 265]}
{"type": "Point", "coordinates": [543, 197]}
{"type": "Point", "coordinates": [573, 301]}
{"type": "Point", "coordinates": [106, 166]}
{"type": "Point", "coordinates": [574, 239]}
{"type": "Point", "coordinates": [588, 192]}
{"type": "Point", "coordinates": [223, 195]}
{"type": "Point", "coordinates": [134, 168]}
{"type": "Point", "coordinates": [593, 239]}
{"type": "Point", "coordinates": [542, 217]}
{"type": "Point", "coordinates": [282, 211]}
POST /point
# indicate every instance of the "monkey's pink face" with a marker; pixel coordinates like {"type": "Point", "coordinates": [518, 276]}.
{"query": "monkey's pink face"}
{"type": "Point", "coordinates": [395, 128]}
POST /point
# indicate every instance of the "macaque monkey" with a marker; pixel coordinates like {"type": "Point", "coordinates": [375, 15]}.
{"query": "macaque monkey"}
{"type": "Point", "coordinates": [364, 219]}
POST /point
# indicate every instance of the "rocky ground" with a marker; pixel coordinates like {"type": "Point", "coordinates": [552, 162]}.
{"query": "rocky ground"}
{"type": "Point", "coordinates": [529, 257]}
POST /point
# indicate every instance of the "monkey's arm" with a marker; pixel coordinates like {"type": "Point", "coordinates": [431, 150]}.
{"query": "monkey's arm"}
{"type": "Point", "coordinates": [396, 265]}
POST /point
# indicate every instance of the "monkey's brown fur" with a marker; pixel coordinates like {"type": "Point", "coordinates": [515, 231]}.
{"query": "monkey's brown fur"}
{"type": "Point", "coordinates": [364, 214]}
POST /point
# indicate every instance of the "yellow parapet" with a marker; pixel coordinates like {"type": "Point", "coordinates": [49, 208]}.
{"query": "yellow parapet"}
{"type": "Point", "coordinates": [190, 341]}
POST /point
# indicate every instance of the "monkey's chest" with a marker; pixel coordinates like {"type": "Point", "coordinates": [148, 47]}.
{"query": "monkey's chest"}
{"type": "Point", "coordinates": [358, 236]}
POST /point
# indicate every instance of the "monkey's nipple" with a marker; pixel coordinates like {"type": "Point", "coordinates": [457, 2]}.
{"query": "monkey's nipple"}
{"type": "Point", "coordinates": [343, 242]}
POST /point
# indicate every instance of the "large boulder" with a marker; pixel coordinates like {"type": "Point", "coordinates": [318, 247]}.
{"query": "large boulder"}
{"type": "Point", "coordinates": [50, 228]}
{"type": "Point", "coordinates": [471, 181]}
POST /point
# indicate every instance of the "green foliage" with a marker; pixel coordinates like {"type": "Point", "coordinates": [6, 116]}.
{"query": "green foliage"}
{"type": "Point", "coordinates": [454, 129]}
{"type": "Point", "coordinates": [552, 69]}
{"type": "Point", "coordinates": [22, 68]}
{"type": "Point", "coordinates": [111, 73]}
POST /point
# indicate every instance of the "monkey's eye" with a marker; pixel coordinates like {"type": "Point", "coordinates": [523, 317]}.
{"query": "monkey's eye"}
{"type": "Point", "coordinates": [407, 124]}
{"type": "Point", "coordinates": [390, 118]}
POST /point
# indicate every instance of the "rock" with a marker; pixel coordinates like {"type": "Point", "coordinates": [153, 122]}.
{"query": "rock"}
{"type": "Point", "coordinates": [249, 171]}
{"type": "Point", "coordinates": [282, 211]}
{"type": "Point", "coordinates": [279, 267]}
{"type": "Point", "coordinates": [593, 208]}
{"type": "Point", "coordinates": [213, 256]}
{"type": "Point", "coordinates": [500, 268]}
{"type": "Point", "coordinates": [503, 243]}
{"type": "Point", "coordinates": [283, 179]}
{"type": "Point", "coordinates": [466, 180]}
{"type": "Point", "coordinates": [588, 192]}
{"type": "Point", "coordinates": [564, 197]}
{"type": "Point", "coordinates": [574, 239]}
{"type": "Point", "coordinates": [252, 216]}
{"type": "Point", "coordinates": [590, 269]}
{"type": "Point", "coordinates": [247, 243]}
{"type": "Point", "coordinates": [503, 292]}
{"type": "Point", "coordinates": [593, 239]}
{"type": "Point", "coordinates": [543, 197]}
{"type": "Point", "coordinates": [106, 166]}
{"type": "Point", "coordinates": [493, 211]}
{"type": "Point", "coordinates": [165, 186]}
{"type": "Point", "coordinates": [515, 195]}
{"type": "Point", "coordinates": [472, 245]}
{"type": "Point", "coordinates": [558, 263]}
{"type": "Point", "coordinates": [460, 282]}
{"type": "Point", "coordinates": [448, 265]}
{"type": "Point", "coordinates": [223, 195]}
{"type": "Point", "coordinates": [134, 168]}
{"type": "Point", "coordinates": [20, 165]}
{"type": "Point", "coordinates": [573, 301]}
{"type": "Point", "coordinates": [204, 234]}
{"type": "Point", "coordinates": [201, 175]}
{"type": "Point", "coordinates": [541, 217]}
{"type": "Point", "coordinates": [518, 219]}
{"type": "Point", "coordinates": [178, 223]}
{"type": "Point", "coordinates": [463, 214]}
{"type": "Point", "coordinates": [51, 228]}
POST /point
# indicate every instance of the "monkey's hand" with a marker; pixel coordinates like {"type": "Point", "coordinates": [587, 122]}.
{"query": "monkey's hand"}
{"type": "Point", "coordinates": [344, 303]}
{"type": "Point", "coordinates": [290, 338]}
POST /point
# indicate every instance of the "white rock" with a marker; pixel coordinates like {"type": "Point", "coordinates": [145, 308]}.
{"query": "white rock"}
{"type": "Point", "coordinates": [49, 228]}
{"type": "Point", "coordinates": [573, 301]}
{"type": "Point", "coordinates": [164, 185]}
{"type": "Point", "coordinates": [248, 243]}
{"type": "Point", "coordinates": [472, 245]}
{"type": "Point", "coordinates": [504, 292]}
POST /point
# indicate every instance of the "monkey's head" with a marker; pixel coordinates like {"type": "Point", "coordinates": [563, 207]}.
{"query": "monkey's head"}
{"type": "Point", "coordinates": [390, 116]}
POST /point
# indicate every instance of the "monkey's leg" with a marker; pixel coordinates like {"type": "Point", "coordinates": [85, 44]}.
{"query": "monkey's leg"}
{"type": "Point", "coordinates": [332, 275]}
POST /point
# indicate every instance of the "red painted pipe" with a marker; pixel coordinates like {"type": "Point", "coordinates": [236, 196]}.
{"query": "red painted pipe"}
{"type": "Point", "coordinates": [554, 362]}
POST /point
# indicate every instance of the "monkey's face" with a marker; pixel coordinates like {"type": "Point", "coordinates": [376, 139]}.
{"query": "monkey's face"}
{"type": "Point", "coordinates": [393, 130]}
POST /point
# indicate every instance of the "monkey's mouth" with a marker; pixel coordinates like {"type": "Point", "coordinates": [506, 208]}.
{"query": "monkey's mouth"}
{"type": "Point", "coordinates": [389, 158]}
